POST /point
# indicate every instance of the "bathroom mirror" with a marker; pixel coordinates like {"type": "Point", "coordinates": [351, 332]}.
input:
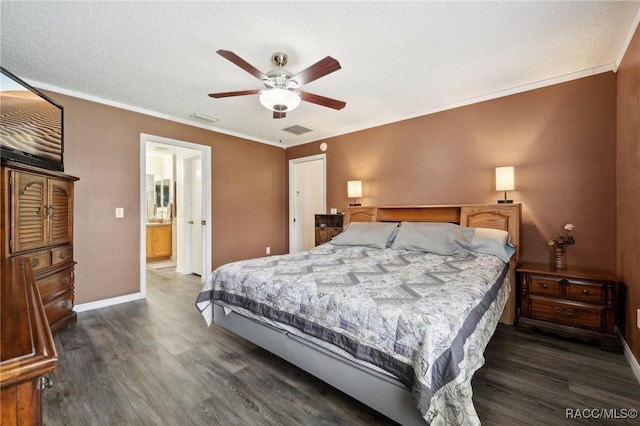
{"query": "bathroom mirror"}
{"type": "Point", "coordinates": [163, 193]}
{"type": "Point", "coordinates": [166, 184]}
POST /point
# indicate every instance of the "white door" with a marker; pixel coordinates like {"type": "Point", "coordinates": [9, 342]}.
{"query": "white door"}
{"type": "Point", "coordinates": [196, 215]}
{"type": "Point", "coordinates": [307, 196]}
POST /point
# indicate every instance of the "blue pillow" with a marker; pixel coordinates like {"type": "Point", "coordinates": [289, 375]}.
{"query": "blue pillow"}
{"type": "Point", "coordinates": [446, 239]}
{"type": "Point", "coordinates": [492, 241]}
{"type": "Point", "coordinates": [367, 234]}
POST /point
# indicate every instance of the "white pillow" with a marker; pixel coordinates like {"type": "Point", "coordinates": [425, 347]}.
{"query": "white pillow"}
{"type": "Point", "coordinates": [446, 239]}
{"type": "Point", "coordinates": [367, 234]}
{"type": "Point", "coordinates": [492, 241]}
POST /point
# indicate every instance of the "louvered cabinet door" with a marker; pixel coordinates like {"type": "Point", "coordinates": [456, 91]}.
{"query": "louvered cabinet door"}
{"type": "Point", "coordinates": [29, 207]}
{"type": "Point", "coordinates": [60, 211]}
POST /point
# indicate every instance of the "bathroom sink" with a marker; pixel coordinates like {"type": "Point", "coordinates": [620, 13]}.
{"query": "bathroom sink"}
{"type": "Point", "coordinates": [157, 221]}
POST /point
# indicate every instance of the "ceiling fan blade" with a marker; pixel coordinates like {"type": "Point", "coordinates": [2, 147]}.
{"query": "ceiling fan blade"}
{"type": "Point", "coordinates": [321, 100]}
{"type": "Point", "coordinates": [317, 70]}
{"type": "Point", "coordinates": [279, 114]}
{"type": "Point", "coordinates": [230, 56]}
{"type": "Point", "coordinates": [236, 93]}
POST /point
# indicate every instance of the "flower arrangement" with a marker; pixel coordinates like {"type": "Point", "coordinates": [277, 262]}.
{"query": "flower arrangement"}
{"type": "Point", "coordinates": [560, 241]}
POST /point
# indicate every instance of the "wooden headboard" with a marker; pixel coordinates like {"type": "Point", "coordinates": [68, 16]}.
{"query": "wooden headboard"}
{"type": "Point", "coordinates": [506, 217]}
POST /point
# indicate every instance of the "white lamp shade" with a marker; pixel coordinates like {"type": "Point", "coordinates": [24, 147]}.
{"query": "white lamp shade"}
{"type": "Point", "coordinates": [504, 178]}
{"type": "Point", "coordinates": [280, 100]}
{"type": "Point", "coordinates": [354, 189]}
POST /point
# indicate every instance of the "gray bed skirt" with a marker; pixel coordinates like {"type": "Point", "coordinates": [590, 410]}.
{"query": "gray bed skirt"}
{"type": "Point", "coordinates": [381, 392]}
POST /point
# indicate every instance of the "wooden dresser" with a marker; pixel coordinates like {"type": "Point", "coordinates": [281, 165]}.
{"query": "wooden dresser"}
{"type": "Point", "coordinates": [327, 226]}
{"type": "Point", "coordinates": [27, 351]}
{"type": "Point", "coordinates": [573, 302]}
{"type": "Point", "coordinates": [36, 222]}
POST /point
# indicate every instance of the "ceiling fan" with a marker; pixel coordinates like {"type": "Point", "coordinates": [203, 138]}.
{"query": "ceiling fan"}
{"type": "Point", "coordinates": [282, 89]}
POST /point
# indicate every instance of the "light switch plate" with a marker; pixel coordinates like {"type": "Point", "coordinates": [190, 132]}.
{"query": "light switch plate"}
{"type": "Point", "coordinates": [119, 212]}
{"type": "Point", "coordinates": [638, 320]}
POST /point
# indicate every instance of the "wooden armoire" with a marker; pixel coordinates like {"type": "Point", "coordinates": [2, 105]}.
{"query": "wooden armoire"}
{"type": "Point", "coordinates": [36, 222]}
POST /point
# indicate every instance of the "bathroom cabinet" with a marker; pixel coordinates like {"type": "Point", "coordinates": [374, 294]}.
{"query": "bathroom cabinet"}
{"type": "Point", "coordinates": [159, 241]}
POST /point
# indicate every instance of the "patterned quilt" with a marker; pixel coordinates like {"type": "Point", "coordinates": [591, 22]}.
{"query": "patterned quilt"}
{"type": "Point", "coordinates": [424, 318]}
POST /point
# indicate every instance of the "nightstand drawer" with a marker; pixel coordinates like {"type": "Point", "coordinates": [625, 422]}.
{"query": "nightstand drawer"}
{"type": "Point", "coordinates": [326, 234]}
{"type": "Point", "coordinates": [545, 287]}
{"type": "Point", "coordinates": [584, 292]}
{"type": "Point", "coordinates": [574, 314]}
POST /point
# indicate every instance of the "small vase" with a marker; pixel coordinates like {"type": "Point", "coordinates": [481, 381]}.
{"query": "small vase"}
{"type": "Point", "coordinates": [561, 258]}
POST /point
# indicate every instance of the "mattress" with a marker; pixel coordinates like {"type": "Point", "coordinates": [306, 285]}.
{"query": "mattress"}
{"type": "Point", "coordinates": [421, 317]}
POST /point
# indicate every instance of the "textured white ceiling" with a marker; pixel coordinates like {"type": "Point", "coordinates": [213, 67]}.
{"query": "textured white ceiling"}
{"type": "Point", "coordinates": [399, 59]}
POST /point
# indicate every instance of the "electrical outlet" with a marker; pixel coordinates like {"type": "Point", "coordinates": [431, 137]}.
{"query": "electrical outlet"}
{"type": "Point", "coordinates": [268, 250]}
{"type": "Point", "coordinates": [638, 320]}
{"type": "Point", "coordinates": [119, 212]}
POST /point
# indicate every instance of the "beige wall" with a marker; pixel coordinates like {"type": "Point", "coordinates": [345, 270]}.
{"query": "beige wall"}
{"type": "Point", "coordinates": [561, 140]}
{"type": "Point", "coordinates": [102, 148]}
{"type": "Point", "coordinates": [629, 186]}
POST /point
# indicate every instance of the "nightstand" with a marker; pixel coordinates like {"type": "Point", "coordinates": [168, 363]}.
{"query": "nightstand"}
{"type": "Point", "coordinates": [327, 227]}
{"type": "Point", "coordinates": [573, 302]}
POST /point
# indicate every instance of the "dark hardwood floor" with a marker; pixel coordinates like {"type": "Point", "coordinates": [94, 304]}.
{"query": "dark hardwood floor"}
{"type": "Point", "coordinates": [154, 362]}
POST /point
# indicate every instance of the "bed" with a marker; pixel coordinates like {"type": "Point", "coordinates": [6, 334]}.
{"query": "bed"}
{"type": "Point", "coordinates": [399, 326]}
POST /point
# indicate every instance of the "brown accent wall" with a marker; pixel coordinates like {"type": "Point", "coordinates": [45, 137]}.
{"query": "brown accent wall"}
{"type": "Point", "coordinates": [629, 187]}
{"type": "Point", "coordinates": [102, 148]}
{"type": "Point", "coordinates": [561, 140]}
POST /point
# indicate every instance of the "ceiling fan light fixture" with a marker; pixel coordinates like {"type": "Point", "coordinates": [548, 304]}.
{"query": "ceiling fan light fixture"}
{"type": "Point", "coordinates": [278, 99]}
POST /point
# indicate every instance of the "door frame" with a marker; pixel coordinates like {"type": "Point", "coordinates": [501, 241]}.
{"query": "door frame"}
{"type": "Point", "coordinates": [188, 211]}
{"type": "Point", "coordinates": [206, 200]}
{"type": "Point", "coordinates": [292, 189]}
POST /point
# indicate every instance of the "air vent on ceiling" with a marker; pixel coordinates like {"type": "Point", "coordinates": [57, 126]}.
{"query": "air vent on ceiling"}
{"type": "Point", "coordinates": [203, 117]}
{"type": "Point", "coordinates": [297, 130]}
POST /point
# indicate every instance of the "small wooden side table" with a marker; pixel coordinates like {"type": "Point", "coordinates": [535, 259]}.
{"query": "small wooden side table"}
{"type": "Point", "coordinates": [327, 226]}
{"type": "Point", "coordinates": [573, 302]}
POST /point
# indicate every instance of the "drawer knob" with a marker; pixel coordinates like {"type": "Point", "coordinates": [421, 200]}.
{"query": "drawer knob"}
{"type": "Point", "coordinates": [564, 312]}
{"type": "Point", "coordinates": [585, 291]}
{"type": "Point", "coordinates": [65, 281]}
{"type": "Point", "coordinates": [545, 285]}
{"type": "Point", "coordinates": [63, 255]}
{"type": "Point", "coordinates": [35, 262]}
{"type": "Point", "coordinates": [47, 382]}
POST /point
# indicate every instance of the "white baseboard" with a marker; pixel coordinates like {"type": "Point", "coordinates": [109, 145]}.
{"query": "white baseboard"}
{"type": "Point", "coordinates": [107, 302]}
{"type": "Point", "coordinates": [631, 359]}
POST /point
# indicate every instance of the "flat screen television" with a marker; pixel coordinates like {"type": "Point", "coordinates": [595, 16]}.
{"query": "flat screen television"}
{"type": "Point", "coordinates": [31, 124]}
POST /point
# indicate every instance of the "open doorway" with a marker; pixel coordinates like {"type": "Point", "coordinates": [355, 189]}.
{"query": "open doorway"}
{"type": "Point", "coordinates": [175, 200]}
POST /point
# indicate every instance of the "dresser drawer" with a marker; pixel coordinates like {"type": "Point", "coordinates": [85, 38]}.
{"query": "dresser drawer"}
{"type": "Point", "coordinates": [61, 255]}
{"type": "Point", "coordinates": [545, 287]}
{"type": "Point", "coordinates": [39, 260]}
{"type": "Point", "coordinates": [55, 284]}
{"type": "Point", "coordinates": [585, 292]}
{"type": "Point", "coordinates": [59, 307]}
{"type": "Point", "coordinates": [573, 314]}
